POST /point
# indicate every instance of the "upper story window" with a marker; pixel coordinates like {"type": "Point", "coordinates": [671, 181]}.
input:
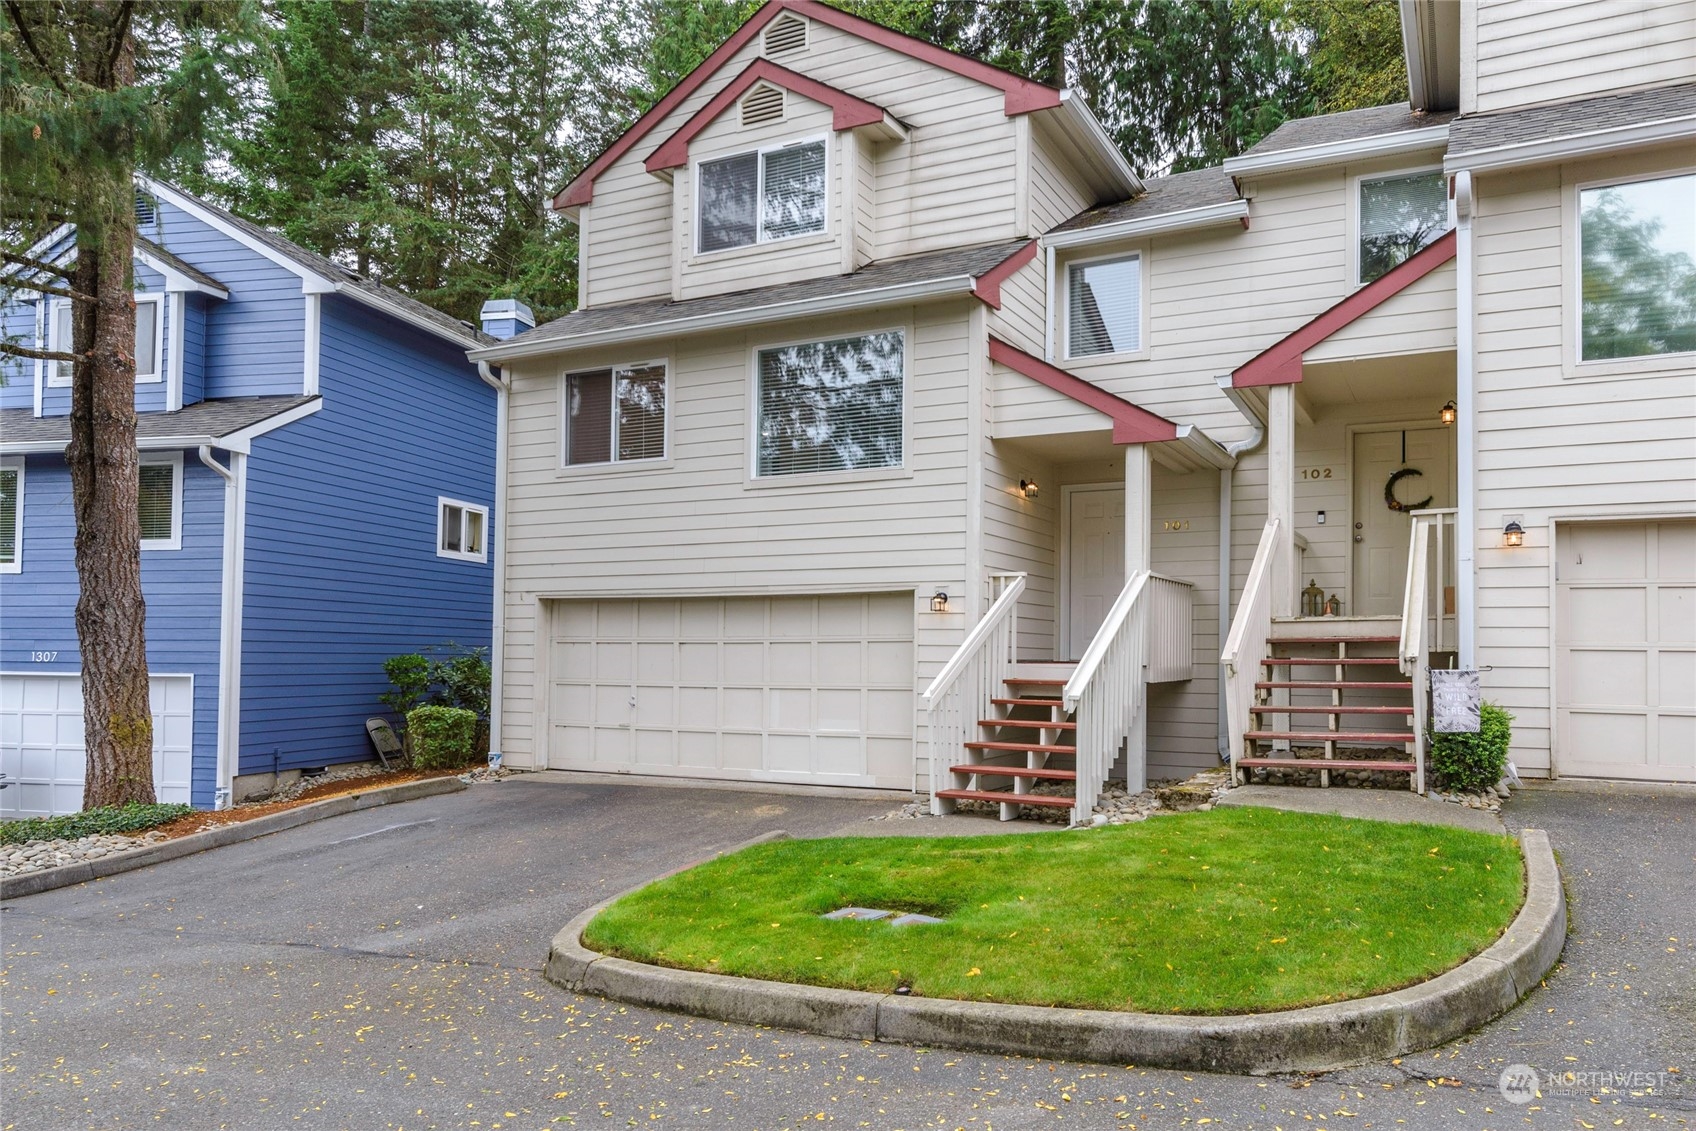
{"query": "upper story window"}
{"type": "Point", "coordinates": [615, 415]}
{"type": "Point", "coordinates": [161, 501]}
{"type": "Point", "coordinates": [461, 529]}
{"type": "Point", "coordinates": [1637, 255]}
{"type": "Point", "coordinates": [1104, 306]}
{"type": "Point", "coordinates": [11, 514]}
{"type": "Point", "coordinates": [770, 194]}
{"type": "Point", "coordinates": [1399, 215]}
{"type": "Point", "coordinates": [836, 405]}
{"type": "Point", "coordinates": [149, 338]}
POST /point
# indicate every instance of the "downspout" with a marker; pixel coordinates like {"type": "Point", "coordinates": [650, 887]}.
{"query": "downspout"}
{"type": "Point", "coordinates": [1466, 521]}
{"type": "Point", "coordinates": [497, 626]}
{"type": "Point", "coordinates": [1241, 448]}
{"type": "Point", "coordinates": [229, 620]}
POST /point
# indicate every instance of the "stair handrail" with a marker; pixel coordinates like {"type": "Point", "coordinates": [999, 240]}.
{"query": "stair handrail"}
{"type": "Point", "coordinates": [1107, 691]}
{"type": "Point", "coordinates": [975, 669]}
{"type": "Point", "coordinates": [1413, 649]}
{"type": "Point", "coordinates": [1245, 644]}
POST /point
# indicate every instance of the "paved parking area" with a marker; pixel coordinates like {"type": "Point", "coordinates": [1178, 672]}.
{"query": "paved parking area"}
{"type": "Point", "coordinates": [381, 970]}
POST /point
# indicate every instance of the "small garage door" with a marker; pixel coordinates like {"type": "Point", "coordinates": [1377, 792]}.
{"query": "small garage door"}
{"type": "Point", "coordinates": [41, 742]}
{"type": "Point", "coordinates": [1625, 634]}
{"type": "Point", "coordinates": [794, 689]}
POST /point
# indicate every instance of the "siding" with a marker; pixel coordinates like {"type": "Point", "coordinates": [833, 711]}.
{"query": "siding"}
{"type": "Point", "coordinates": [195, 315]}
{"type": "Point", "coordinates": [1420, 319]}
{"type": "Point", "coordinates": [181, 587]}
{"type": "Point", "coordinates": [1534, 51]}
{"type": "Point", "coordinates": [1022, 535]}
{"type": "Point", "coordinates": [17, 374]}
{"type": "Point", "coordinates": [341, 568]}
{"type": "Point", "coordinates": [1056, 193]}
{"type": "Point", "coordinates": [1183, 721]}
{"type": "Point", "coordinates": [56, 399]}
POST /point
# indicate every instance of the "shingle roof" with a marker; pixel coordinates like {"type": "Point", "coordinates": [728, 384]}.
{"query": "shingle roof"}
{"type": "Point", "coordinates": [204, 419]}
{"type": "Point", "coordinates": [1176, 193]}
{"type": "Point", "coordinates": [659, 314]}
{"type": "Point", "coordinates": [1587, 115]}
{"type": "Point", "coordinates": [1349, 125]}
{"type": "Point", "coordinates": [178, 265]}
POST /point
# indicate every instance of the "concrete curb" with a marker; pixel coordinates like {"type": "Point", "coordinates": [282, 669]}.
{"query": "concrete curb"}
{"type": "Point", "coordinates": [29, 883]}
{"type": "Point", "coordinates": [1314, 1039]}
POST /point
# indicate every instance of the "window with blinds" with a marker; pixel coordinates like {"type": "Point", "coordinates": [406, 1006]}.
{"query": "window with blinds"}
{"type": "Point", "coordinates": [615, 415]}
{"type": "Point", "coordinates": [831, 406]}
{"type": "Point", "coordinates": [1398, 216]}
{"type": "Point", "coordinates": [460, 530]}
{"type": "Point", "coordinates": [1104, 306]}
{"type": "Point", "coordinates": [11, 515]}
{"type": "Point", "coordinates": [1637, 256]}
{"type": "Point", "coordinates": [158, 500]}
{"type": "Point", "coordinates": [771, 194]}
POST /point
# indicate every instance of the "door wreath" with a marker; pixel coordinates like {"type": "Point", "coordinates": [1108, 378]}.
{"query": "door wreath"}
{"type": "Point", "coordinates": [1396, 504]}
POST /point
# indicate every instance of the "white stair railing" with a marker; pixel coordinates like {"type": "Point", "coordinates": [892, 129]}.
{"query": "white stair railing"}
{"type": "Point", "coordinates": [1425, 611]}
{"type": "Point", "coordinates": [1107, 691]}
{"type": "Point", "coordinates": [1245, 645]}
{"type": "Point", "coordinates": [961, 692]}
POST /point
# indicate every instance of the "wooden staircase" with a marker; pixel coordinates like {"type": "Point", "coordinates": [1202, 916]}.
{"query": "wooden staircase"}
{"type": "Point", "coordinates": [1029, 740]}
{"type": "Point", "coordinates": [1331, 688]}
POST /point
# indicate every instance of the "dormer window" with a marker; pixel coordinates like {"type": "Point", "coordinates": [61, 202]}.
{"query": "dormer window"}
{"type": "Point", "coordinates": [149, 339]}
{"type": "Point", "coordinates": [770, 194]}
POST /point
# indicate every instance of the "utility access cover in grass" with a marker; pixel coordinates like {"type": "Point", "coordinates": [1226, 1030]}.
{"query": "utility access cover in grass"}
{"type": "Point", "coordinates": [1229, 911]}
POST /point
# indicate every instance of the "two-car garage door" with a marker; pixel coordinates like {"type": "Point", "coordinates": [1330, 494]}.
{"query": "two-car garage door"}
{"type": "Point", "coordinates": [807, 689]}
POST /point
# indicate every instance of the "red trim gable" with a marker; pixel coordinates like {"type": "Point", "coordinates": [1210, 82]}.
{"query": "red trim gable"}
{"type": "Point", "coordinates": [847, 111]}
{"type": "Point", "coordinates": [1131, 425]}
{"type": "Point", "coordinates": [987, 286]}
{"type": "Point", "coordinates": [1022, 95]}
{"type": "Point", "coordinates": [1281, 363]}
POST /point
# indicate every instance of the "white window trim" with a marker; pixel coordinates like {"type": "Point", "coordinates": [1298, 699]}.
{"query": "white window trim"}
{"type": "Point", "coordinates": [822, 235]}
{"type": "Point", "coordinates": [175, 460]}
{"type": "Point", "coordinates": [613, 463]}
{"type": "Point", "coordinates": [903, 470]}
{"type": "Point", "coordinates": [1572, 285]}
{"type": "Point", "coordinates": [157, 298]}
{"type": "Point", "coordinates": [1063, 303]}
{"type": "Point", "coordinates": [442, 503]}
{"type": "Point", "coordinates": [16, 565]}
{"type": "Point", "coordinates": [1355, 182]}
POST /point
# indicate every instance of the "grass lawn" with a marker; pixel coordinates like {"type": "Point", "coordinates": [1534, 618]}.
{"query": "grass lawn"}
{"type": "Point", "coordinates": [1229, 911]}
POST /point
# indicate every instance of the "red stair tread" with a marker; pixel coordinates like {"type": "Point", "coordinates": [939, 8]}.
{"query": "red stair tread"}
{"type": "Point", "coordinates": [1033, 724]}
{"type": "Point", "coordinates": [1327, 661]}
{"type": "Point", "coordinates": [1318, 736]}
{"type": "Point", "coordinates": [1006, 797]}
{"type": "Point", "coordinates": [1035, 682]}
{"type": "Point", "coordinates": [1016, 772]}
{"type": "Point", "coordinates": [1034, 747]}
{"type": "Point", "coordinates": [1328, 684]}
{"type": "Point", "coordinates": [1272, 709]}
{"type": "Point", "coordinates": [1334, 640]}
{"type": "Point", "coordinates": [1328, 764]}
{"type": "Point", "coordinates": [1029, 702]}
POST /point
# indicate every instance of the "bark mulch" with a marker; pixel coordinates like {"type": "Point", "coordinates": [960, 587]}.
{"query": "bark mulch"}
{"type": "Point", "coordinates": [199, 822]}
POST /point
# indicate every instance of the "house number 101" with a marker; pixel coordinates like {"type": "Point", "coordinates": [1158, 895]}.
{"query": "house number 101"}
{"type": "Point", "coordinates": [1316, 473]}
{"type": "Point", "coordinates": [1175, 524]}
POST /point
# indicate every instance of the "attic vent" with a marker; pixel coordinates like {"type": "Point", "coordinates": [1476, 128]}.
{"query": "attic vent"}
{"type": "Point", "coordinates": [146, 210]}
{"type": "Point", "coordinates": [762, 104]}
{"type": "Point", "coordinates": [787, 33]}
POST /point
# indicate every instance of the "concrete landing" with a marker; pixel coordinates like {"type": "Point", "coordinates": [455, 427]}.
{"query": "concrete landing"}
{"type": "Point", "coordinates": [1400, 806]}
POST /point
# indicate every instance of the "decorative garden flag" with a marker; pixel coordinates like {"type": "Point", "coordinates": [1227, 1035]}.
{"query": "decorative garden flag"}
{"type": "Point", "coordinates": [1455, 699]}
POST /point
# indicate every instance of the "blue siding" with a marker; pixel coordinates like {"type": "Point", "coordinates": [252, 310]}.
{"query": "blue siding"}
{"type": "Point", "coordinates": [17, 374]}
{"type": "Point", "coordinates": [341, 568]}
{"type": "Point", "coordinates": [182, 589]}
{"type": "Point", "coordinates": [194, 347]}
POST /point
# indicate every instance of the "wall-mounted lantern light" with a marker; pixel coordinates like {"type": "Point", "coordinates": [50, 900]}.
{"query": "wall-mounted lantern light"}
{"type": "Point", "coordinates": [1448, 413]}
{"type": "Point", "coordinates": [1028, 488]}
{"type": "Point", "coordinates": [939, 603]}
{"type": "Point", "coordinates": [1513, 534]}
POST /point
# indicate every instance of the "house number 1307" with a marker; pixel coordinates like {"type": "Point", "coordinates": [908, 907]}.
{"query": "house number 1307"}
{"type": "Point", "coordinates": [43, 657]}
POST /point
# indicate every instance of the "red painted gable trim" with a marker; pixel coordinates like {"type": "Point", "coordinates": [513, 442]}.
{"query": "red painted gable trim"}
{"type": "Point", "coordinates": [987, 286]}
{"type": "Point", "coordinates": [847, 111]}
{"type": "Point", "coordinates": [1281, 364]}
{"type": "Point", "coordinates": [1022, 95]}
{"type": "Point", "coordinates": [1131, 425]}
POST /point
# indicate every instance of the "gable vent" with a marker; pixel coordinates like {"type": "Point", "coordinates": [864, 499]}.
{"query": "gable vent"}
{"type": "Point", "coordinates": [762, 104]}
{"type": "Point", "coordinates": [146, 211]}
{"type": "Point", "coordinates": [787, 33]}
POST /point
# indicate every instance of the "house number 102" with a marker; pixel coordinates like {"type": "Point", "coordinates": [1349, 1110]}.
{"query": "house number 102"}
{"type": "Point", "coordinates": [1316, 473]}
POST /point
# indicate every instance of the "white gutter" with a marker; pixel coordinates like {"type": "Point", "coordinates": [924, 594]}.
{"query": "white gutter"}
{"type": "Point", "coordinates": [175, 280]}
{"type": "Point", "coordinates": [792, 308]}
{"type": "Point", "coordinates": [497, 626]}
{"type": "Point", "coordinates": [1466, 431]}
{"type": "Point", "coordinates": [1413, 52]}
{"type": "Point", "coordinates": [1339, 152]}
{"type": "Point", "coordinates": [1080, 113]}
{"type": "Point", "coordinates": [229, 620]}
{"type": "Point", "coordinates": [1226, 508]}
{"type": "Point", "coordinates": [1573, 146]}
{"type": "Point", "coordinates": [1203, 216]}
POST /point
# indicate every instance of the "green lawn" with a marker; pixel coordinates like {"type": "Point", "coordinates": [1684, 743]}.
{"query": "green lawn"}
{"type": "Point", "coordinates": [1230, 911]}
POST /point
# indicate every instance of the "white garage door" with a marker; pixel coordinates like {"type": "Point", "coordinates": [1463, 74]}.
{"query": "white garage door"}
{"type": "Point", "coordinates": [1625, 635]}
{"type": "Point", "coordinates": [796, 689]}
{"type": "Point", "coordinates": [41, 742]}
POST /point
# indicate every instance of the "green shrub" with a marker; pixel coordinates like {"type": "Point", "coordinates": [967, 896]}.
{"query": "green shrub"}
{"type": "Point", "coordinates": [132, 818]}
{"type": "Point", "coordinates": [1473, 761]}
{"type": "Point", "coordinates": [410, 676]}
{"type": "Point", "coordinates": [460, 680]}
{"type": "Point", "coordinates": [441, 737]}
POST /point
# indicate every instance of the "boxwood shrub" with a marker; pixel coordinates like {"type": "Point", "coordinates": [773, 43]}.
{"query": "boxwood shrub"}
{"type": "Point", "coordinates": [441, 737]}
{"type": "Point", "coordinates": [111, 819]}
{"type": "Point", "coordinates": [1473, 761]}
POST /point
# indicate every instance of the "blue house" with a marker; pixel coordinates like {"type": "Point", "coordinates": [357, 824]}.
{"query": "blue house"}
{"type": "Point", "coordinates": [317, 491]}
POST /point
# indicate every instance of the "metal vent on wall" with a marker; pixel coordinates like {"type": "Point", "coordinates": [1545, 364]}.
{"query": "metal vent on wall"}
{"type": "Point", "coordinates": [146, 211]}
{"type": "Point", "coordinates": [762, 104]}
{"type": "Point", "coordinates": [787, 33]}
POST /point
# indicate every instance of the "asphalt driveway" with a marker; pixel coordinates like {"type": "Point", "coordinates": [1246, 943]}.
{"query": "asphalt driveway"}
{"type": "Point", "coordinates": [381, 970]}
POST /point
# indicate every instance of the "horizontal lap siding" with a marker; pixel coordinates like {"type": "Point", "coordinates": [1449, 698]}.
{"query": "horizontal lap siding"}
{"type": "Point", "coordinates": [17, 374]}
{"type": "Point", "coordinates": [1022, 535]}
{"type": "Point", "coordinates": [1419, 320]}
{"type": "Point", "coordinates": [1532, 51]}
{"type": "Point", "coordinates": [1056, 193]}
{"type": "Point", "coordinates": [1183, 721]}
{"type": "Point", "coordinates": [194, 348]}
{"type": "Point", "coordinates": [182, 589]}
{"type": "Point", "coordinates": [341, 567]}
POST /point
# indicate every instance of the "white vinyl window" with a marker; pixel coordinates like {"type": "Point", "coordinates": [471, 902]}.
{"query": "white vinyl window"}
{"type": "Point", "coordinates": [615, 415]}
{"type": "Point", "coordinates": [461, 530]}
{"type": "Point", "coordinates": [835, 405]}
{"type": "Point", "coordinates": [770, 194]}
{"type": "Point", "coordinates": [1104, 306]}
{"type": "Point", "coordinates": [1398, 216]}
{"type": "Point", "coordinates": [11, 514]}
{"type": "Point", "coordinates": [149, 339]}
{"type": "Point", "coordinates": [160, 501]}
{"type": "Point", "coordinates": [1637, 255]}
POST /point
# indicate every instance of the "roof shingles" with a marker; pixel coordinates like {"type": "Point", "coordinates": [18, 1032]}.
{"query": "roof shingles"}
{"type": "Point", "coordinates": [202, 420]}
{"type": "Point", "coordinates": [1564, 119]}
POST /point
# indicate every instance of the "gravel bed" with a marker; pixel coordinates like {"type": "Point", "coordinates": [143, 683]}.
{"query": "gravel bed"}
{"type": "Point", "coordinates": [38, 855]}
{"type": "Point", "coordinates": [1113, 805]}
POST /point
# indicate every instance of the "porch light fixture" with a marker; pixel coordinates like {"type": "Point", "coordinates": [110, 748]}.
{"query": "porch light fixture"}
{"type": "Point", "coordinates": [1513, 534]}
{"type": "Point", "coordinates": [1447, 413]}
{"type": "Point", "coordinates": [1028, 488]}
{"type": "Point", "coordinates": [939, 603]}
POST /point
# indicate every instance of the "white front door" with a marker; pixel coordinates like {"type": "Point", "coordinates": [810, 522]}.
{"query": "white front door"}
{"type": "Point", "coordinates": [1381, 535]}
{"type": "Point", "coordinates": [1095, 561]}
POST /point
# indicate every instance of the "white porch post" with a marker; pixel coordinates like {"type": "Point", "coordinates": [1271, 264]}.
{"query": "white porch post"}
{"type": "Point", "coordinates": [1281, 493]}
{"type": "Point", "coordinates": [1139, 522]}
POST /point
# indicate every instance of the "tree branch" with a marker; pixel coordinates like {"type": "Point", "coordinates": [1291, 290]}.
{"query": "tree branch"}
{"type": "Point", "coordinates": [36, 264]}
{"type": "Point", "coordinates": [126, 11]}
{"type": "Point", "coordinates": [56, 292]}
{"type": "Point", "coordinates": [17, 15]}
{"type": "Point", "coordinates": [14, 350]}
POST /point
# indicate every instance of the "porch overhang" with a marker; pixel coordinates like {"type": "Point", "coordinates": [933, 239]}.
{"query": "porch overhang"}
{"type": "Point", "coordinates": [1281, 363]}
